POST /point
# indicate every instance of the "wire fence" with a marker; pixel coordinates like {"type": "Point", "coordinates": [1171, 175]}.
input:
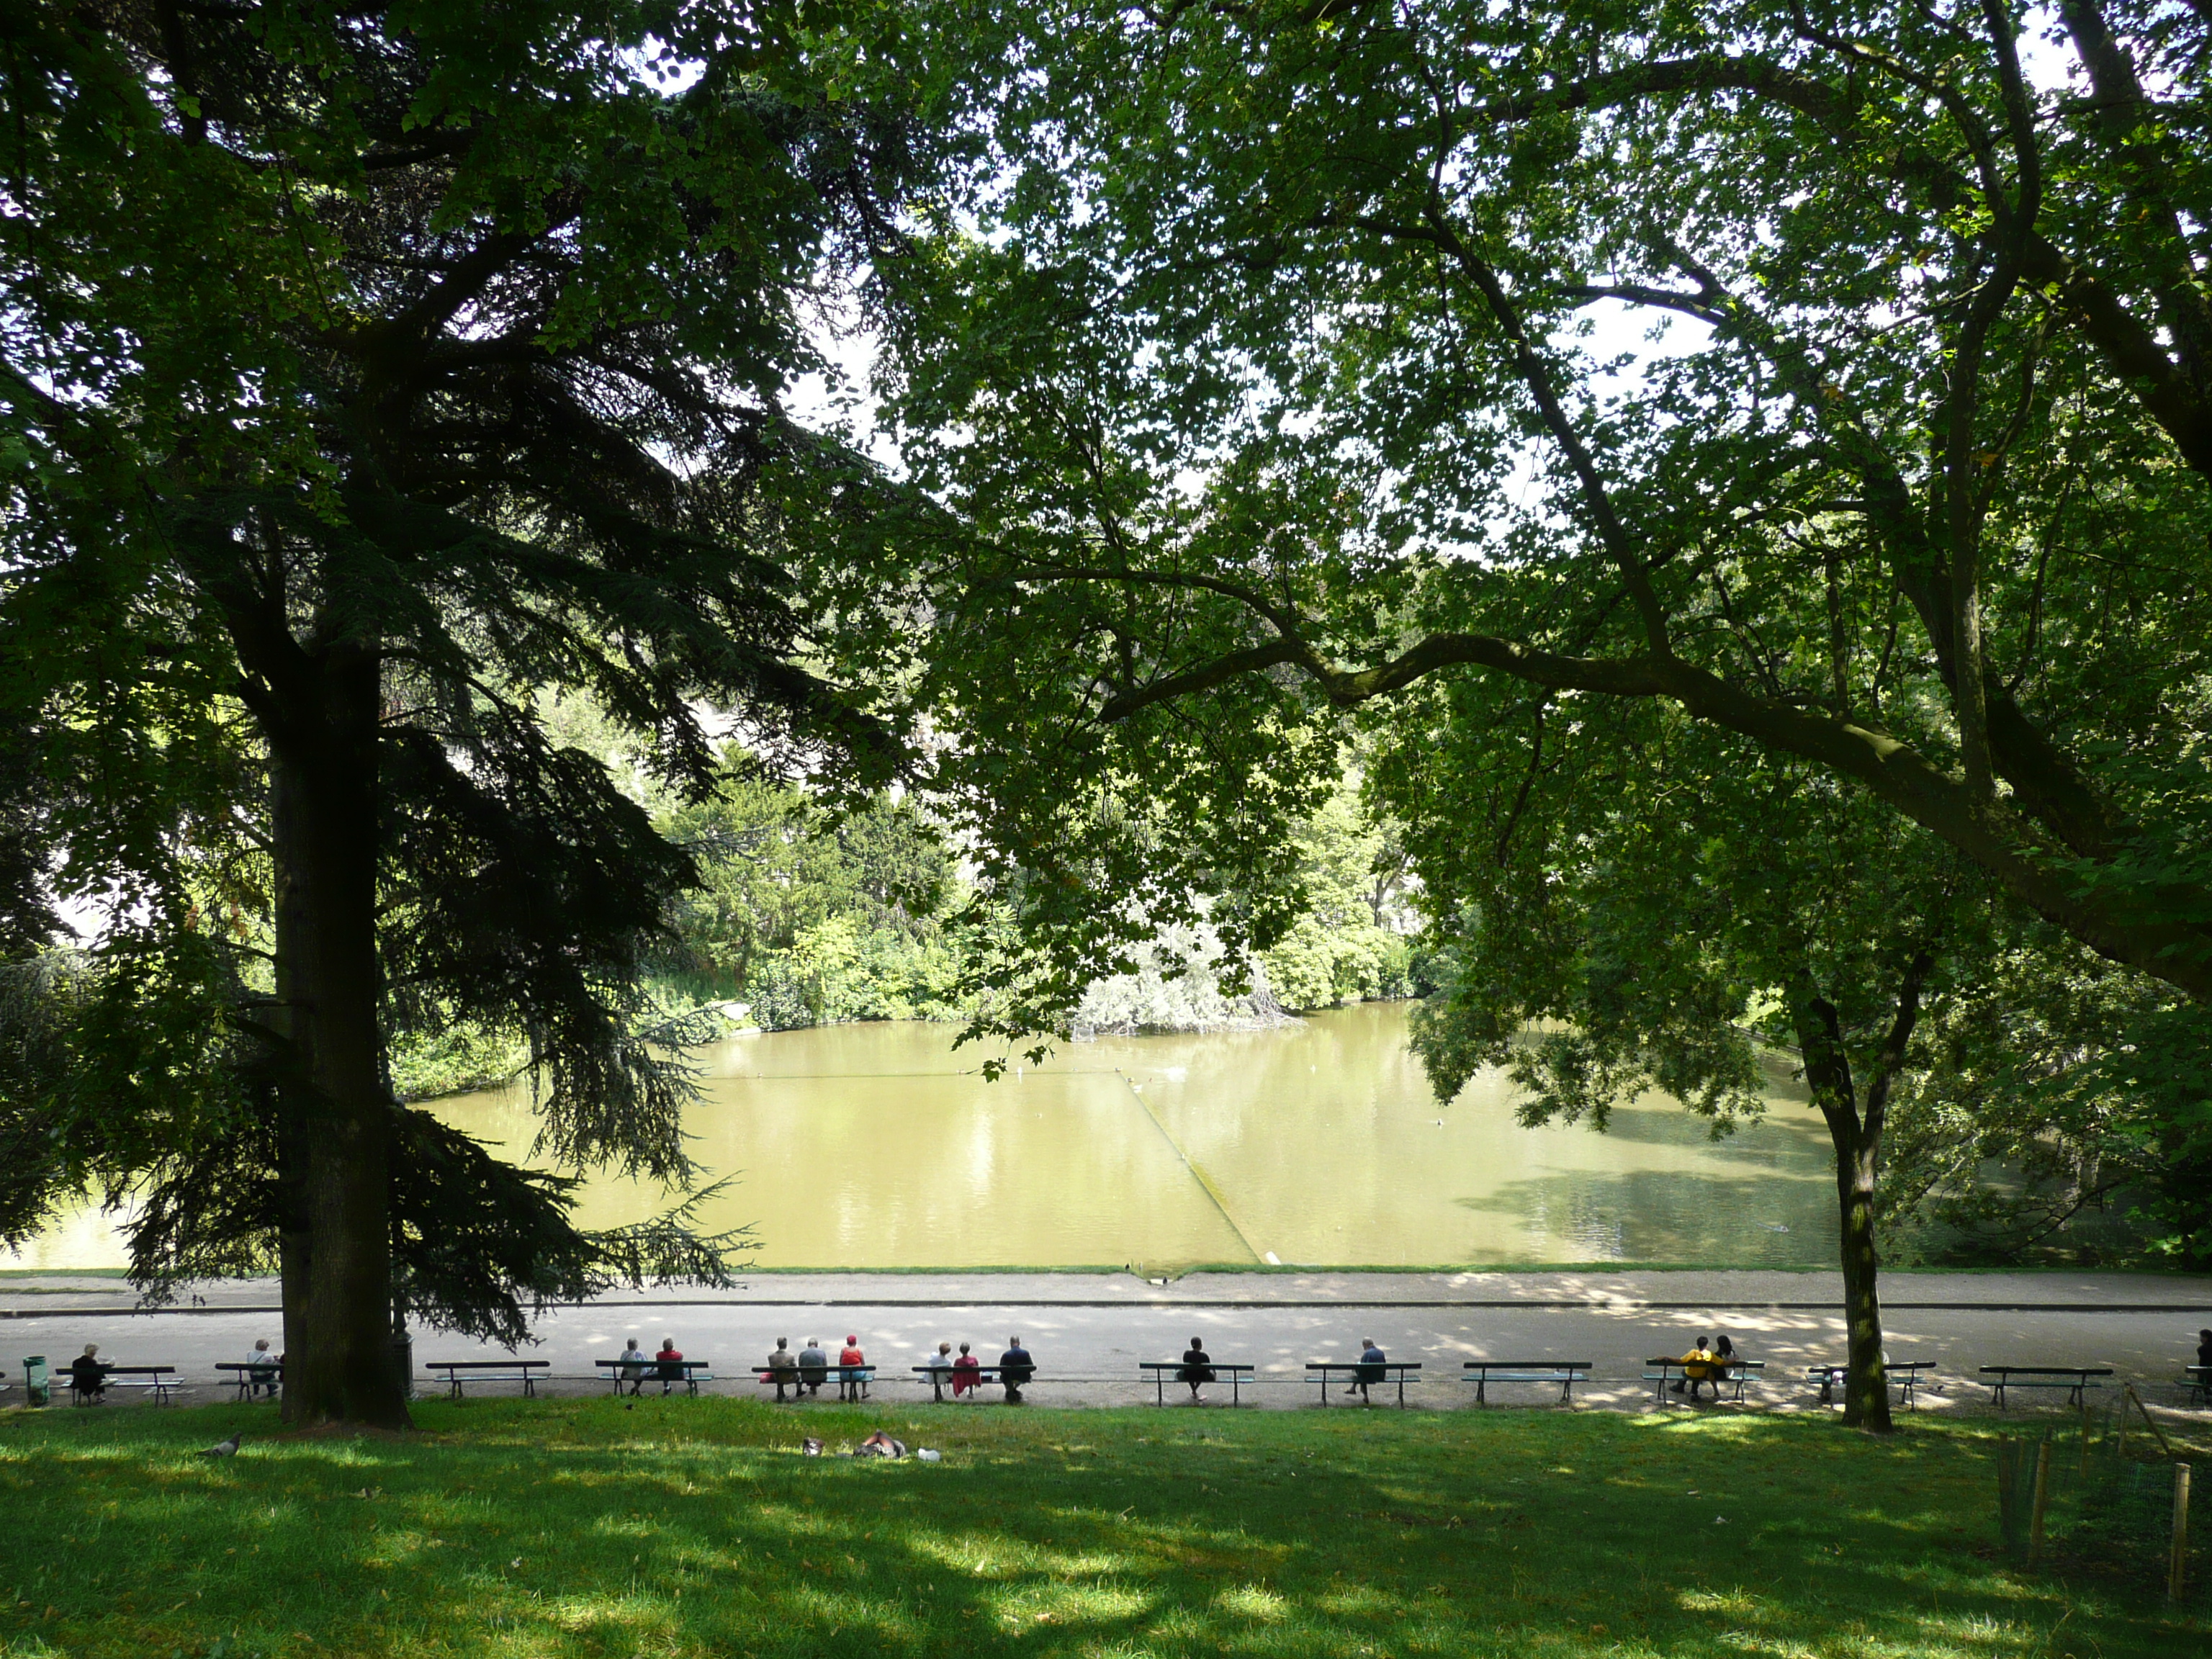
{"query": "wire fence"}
{"type": "Point", "coordinates": [2105, 1499]}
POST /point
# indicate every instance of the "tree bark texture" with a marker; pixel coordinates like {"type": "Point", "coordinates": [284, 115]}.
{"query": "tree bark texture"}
{"type": "Point", "coordinates": [1828, 1073]}
{"type": "Point", "coordinates": [334, 1172]}
{"type": "Point", "coordinates": [1866, 1389]}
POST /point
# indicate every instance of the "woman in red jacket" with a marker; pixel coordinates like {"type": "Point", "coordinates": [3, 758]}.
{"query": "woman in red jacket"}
{"type": "Point", "coordinates": [965, 1372]}
{"type": "Point", "coordinates": [852, 1377]}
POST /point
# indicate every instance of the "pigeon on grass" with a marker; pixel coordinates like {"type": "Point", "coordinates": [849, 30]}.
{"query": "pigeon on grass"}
{"type": "Point", "coordinates": [222, 1449]}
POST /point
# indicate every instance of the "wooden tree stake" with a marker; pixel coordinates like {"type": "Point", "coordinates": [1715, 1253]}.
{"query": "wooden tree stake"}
{"type": "Point", "coordinates": [2042, 1499]}
{"type": "Point", "coordinates": [2128, 1392]}
{"type": "Point", "coordinates": [2180, 1531]}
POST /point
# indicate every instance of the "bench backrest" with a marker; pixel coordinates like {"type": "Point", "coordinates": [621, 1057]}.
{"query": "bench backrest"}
{"type": "Point", "coordinates": [2046, 1370]}
{"type": "Point", "coordinates": [1526, 1364]}
{"type": "Point", "coordinates": [1177, 1365]}
{"type": "Point", "coordinates": [486, 1364]}
{"type": "Point", "coordinates": [1363, 1364]}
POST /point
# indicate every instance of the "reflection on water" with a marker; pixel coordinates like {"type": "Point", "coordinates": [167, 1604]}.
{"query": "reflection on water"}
{"type": "Point", "coordinates": [880, 1146]}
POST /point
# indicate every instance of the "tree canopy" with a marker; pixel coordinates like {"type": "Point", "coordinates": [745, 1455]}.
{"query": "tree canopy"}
{"type": "Point", "coordinates": [1787, 425]}
{"type": "Point", "coordinates": [367, 370]}
{"type": "Point", "coordinates": [1269, 389]}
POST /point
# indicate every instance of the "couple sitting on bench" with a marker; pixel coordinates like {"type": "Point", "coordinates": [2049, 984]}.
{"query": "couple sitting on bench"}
{"type": "Point", "coordinates": [637, 1368]}
{"type": "Point", "coordinates": [1706, 1362]}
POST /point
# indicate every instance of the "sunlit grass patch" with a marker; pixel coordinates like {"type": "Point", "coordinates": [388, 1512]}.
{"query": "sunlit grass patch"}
{"type": "Point", "coordinates": [550, 1529]}
{"type": "Point", "coordinates": [1069, 1604]}
{"type": "Point", "coordinates": [1252, 1601]}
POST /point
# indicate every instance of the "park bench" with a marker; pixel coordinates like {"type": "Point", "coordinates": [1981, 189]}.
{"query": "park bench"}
{"type": "Point", "coordinates": [272, 1374]}
{"type": "Point", "coordinates": [2075, 1379]}
{"type": "Point", "coordinates": [155, 1377]}
{"type": "Point", "coordinates": [847, 1377]}
{"type": "Point", "coordinates": [1669, 1369]}
{"type": "Point", "coordinates": [1161, 1368]}
{"type": "Point", "coordinates": [940, 1377]}
{"type": "Point", "coordinates": [2197, 1379]}
{"type": "Point", "coordinates": [458, 1371]}
{"type": "Point", "coordinates": [1364, 1372]}
{"type": "Point", "coordinates": [1904, 1373]}
{"type": "Point", "coordinates": [667, 1372]}
{"type": "Point", "coordinates": [1564, 1372]}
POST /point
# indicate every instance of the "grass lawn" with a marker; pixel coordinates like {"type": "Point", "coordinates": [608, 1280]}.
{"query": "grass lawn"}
{"type": "Point", "coordinates": [682, 1527]}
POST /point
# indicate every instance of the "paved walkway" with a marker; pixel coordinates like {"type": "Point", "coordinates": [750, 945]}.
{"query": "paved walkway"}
{"type": "Point", "coordinates": [1092, 1328]}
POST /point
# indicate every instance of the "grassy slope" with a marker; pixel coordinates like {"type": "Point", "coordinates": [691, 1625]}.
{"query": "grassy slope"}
{"type": "Point", "coordinates": [693, 1527]}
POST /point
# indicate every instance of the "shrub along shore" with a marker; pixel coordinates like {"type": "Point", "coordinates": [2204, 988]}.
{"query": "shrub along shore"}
{"type": "Point", "coordinates": [687, 1527]}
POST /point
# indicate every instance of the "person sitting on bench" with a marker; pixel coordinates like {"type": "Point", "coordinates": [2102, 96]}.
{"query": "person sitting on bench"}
{"type": "Point", "coordinates": [671, 1358]}
{"type": "Point", "coordinates": [1371, 1360]}
{"type": "Point", "coordinates": [1725, 1359]}
{"type": "Point", "coordinates": [633, 1367]}
{"type": "Point", "coordinates": [261, 1371]}
{"type": "Point", "coordinates": [1197, 1370]}
{"type": "Point", "coordinates": [964, 1371]}
{"type": "Point", "coordinates": [813, 1367]}
{"type": "Point", "coordinates": [87, 1376]}
{"type": "Point", "coordinates": [782, 1369]}
{"type": "Point", "coordinates": [1015, 1369]}
{"type": "Point", "coordinates": [849, 1359]}
{"type": "Point", "coordinates": [2205, 1348]}
{"type": "Point", "coordinates": [1697, 1367]}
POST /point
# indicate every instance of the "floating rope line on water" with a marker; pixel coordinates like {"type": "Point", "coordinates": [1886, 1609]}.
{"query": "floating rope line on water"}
{"type": "Point", "coordinates": [1205, 1181]}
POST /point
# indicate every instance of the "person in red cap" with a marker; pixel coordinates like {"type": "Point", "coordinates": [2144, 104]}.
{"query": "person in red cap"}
{"type": "Point", "coordinates": [852, 1377]}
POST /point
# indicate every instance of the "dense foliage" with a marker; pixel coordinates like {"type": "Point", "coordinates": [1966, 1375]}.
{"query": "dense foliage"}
{"type": "Point", "coordinates": [810, 917]}
{"type": "Point", "coordinates": [365, 371]}
{"type": "Point", "coordinates": [1773, 419]}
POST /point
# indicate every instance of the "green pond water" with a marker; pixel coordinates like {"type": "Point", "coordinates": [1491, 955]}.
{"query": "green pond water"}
{"type": "Point", "coordinates": [881, 1145]}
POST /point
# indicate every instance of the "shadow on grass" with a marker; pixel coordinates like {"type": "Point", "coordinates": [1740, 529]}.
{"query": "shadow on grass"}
{"type": "Point", "coordinates": [695, 1527]}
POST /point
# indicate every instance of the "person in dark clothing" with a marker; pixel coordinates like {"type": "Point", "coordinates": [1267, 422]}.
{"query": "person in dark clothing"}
{"type": "Point", "coordinates": [1725, 1360]}
{"type": "Point", "coordinates": [2204, 1347]}
{"type": "Point", "coordinates": [89, 1375]}
{"type": "Point", "coordinates": [1197, 1368]}
{"type": "Point", "coordinates": [1371, 1360]}
{"type": "Point", "coordinates": [1015, 1369]}
{"type": "Point", "coordinates": [813, 1368]}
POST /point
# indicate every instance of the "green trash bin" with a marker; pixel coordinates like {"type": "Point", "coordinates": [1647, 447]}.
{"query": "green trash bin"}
{"type": "Point", "coordinates": [36, 1389]}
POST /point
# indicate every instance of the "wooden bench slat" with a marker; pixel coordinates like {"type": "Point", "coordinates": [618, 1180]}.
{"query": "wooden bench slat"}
{"type": "Point", "coordinates": [458, 1371]}
{"type": "Point", "coordinates": [1564, 1372]}
{"type": "Point", "coordinates": [1357, 1366]}
{"type": "Point", "coordinates": [2043, 1377]}
{"type": "Point", "coordinates": [813, 1377]}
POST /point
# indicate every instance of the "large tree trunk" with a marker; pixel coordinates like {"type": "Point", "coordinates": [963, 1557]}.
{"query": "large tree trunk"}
{"type": "Point", "coordinates": [1856, 1130]}
{"type": "Point", "coordinates": [333, 1129]}
{"type": "Point", "coordinates": [1828, 1074]}
{"type": "Point", "coordinates": [1866, 1391]}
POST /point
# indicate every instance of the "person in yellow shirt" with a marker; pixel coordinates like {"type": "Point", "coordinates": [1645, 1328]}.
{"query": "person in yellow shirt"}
{"type": "Point", "coordinates": [1698, 1366]}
